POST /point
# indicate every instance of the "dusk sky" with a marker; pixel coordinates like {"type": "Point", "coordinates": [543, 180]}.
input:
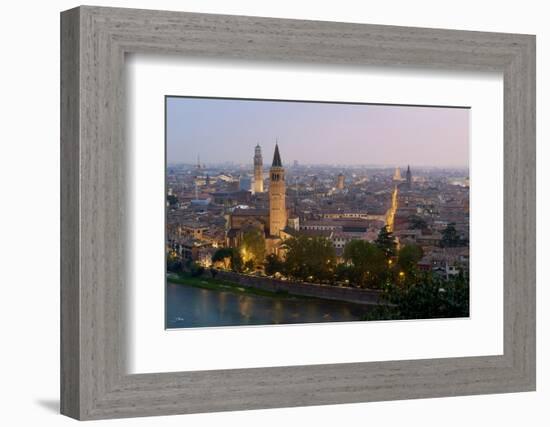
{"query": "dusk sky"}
{"type": "Point", "coordinates": [222, 130]}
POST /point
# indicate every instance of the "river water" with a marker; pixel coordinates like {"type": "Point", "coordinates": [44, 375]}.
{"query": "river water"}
{"type": "Point", "coordinates": [190, 307]}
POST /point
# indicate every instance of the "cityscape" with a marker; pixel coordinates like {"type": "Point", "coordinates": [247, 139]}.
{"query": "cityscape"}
{"type": "Point", "coordinates": [276, 240]}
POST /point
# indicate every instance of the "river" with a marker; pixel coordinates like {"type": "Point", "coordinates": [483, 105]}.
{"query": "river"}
{"type": "Point", "coordinates": [191, 307]}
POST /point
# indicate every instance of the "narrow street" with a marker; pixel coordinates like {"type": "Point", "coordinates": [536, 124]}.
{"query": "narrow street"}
{"type": "Point", "coordinates": [390, 215]}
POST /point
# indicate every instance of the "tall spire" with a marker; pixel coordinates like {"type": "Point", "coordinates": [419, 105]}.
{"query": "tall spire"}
{"type": "Point", "coordinates": [409, 177]}
{"type": "Point", "coordinates": [277, 157]}
{"type": "Point", "coordinates": [277, 195]}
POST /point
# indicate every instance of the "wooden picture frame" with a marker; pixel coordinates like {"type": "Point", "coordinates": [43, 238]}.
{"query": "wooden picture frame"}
{"type": "Point", "coordinates": [94, 382]}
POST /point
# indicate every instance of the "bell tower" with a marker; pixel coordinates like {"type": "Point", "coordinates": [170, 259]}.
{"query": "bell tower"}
{"type": "Point", "coordinates": [258, 170]}
{"type": "Point", "coordinates": [277, 195]}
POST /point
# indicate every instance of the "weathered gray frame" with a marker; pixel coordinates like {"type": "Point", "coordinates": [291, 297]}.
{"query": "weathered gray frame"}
{"type": "Point", "coordinates": [94, 41]}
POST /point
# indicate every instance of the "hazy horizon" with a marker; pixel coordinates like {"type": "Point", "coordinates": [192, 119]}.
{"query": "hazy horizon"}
{"type": "Point", "coordinates": [267, 164]}
{"type": "Point", "coordinates": [225, 131]}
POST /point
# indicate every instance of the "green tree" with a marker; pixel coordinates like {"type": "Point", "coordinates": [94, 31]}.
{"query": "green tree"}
{"type": "Point", "coordinates": [368, 263]}
{"type": "Point", "coordinates": [230, 257]}
{"type": "Point", "coordinates": [343, 272]}
{"type": "Point", "coordinates": [431, 297]}
{"type": "Point", "coordinates": [417, 223]}
{"type": "Point", "coordinates": [173, 262]}
{"type": "Point", "coordinates": [273, 264]}
{"type": "Point", "coordinates": [310, 258]}
{"type": "Point", "coordinates": [249, 265]}
{"type": "Point", "coordinates": [252, 248]}
{"type": "Point", "coordinates": [172, 200]}
{"type": "Point", "coordinates": [386, 242]}
{"type": "Point", "coordinates": [450, 237]}
{"type": "Point", "coordinates": [408, 257]}
{"type": "Point", "coordinates": [196, 269]}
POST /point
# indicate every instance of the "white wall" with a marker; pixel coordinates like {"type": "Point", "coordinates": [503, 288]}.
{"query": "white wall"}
{"type": "Point", "coordinates": [29, 225]}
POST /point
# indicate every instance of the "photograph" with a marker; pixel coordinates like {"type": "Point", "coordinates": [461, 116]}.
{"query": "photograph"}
{"type": "Point", "coordinates": [289, 212]}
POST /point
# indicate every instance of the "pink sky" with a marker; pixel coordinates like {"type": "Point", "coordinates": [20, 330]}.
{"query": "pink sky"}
{"type": "Point", "coordinates": [222, 130]}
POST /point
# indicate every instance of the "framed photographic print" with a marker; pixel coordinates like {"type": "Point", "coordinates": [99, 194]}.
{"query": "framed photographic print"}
{"type": "Point", "coordinates": [336, 234]}
{"type": "Point", "coordinates": [263, 213]}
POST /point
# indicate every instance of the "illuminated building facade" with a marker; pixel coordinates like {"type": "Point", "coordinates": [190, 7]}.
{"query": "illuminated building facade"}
{"type": "Point", "coordinates": [277, 195]}
{"type": "Point", "coordinates": [258, 186]}
{"type": "Point", "coordinates": [340, 182]}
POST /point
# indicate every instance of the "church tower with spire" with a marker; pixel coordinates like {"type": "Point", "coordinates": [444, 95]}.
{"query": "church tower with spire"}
{"type": "Point", "coordinates": [258, 186]}
{"type": "Point", "coordinates": [409, 177]}
{"type": "Point", "coordinates": [277, 195]}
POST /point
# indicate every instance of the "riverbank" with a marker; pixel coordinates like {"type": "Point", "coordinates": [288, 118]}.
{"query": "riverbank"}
{"type": "Point", "coordinates": [210, 283]}
{"type": "Point", "coordinates": [294, 288]}
{"type": "Point", "coordinates": [223, 280]}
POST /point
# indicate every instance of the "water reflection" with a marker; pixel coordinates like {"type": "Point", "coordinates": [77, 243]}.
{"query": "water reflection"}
{"type": "Point", "coordinates": [245, 306]}
{"type": "Point", "coordinates": [221, 303]}
{"type": "Point", "coordinates": [188, 307]}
